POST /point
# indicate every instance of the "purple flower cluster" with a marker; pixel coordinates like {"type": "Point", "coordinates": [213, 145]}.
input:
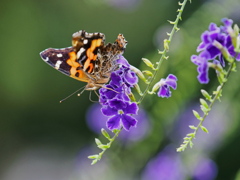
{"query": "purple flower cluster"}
{"type": "Point", "coordinates": [114, 97]}
{"type": "Point", "coordinates": [216, 43]}
{"type": "Point", "coordinates": [96, 121]}
{"type": "Point", "coordinates": [163, 86]}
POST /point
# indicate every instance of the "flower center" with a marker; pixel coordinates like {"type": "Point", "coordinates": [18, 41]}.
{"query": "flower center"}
{"type": "Point", "coordinates": [120, 112]}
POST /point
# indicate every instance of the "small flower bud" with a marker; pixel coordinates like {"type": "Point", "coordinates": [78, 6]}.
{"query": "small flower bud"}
{"type": "Point", "coordinates": [139, 73]}
{"type": "Point", "coordinates": [223, 50]}
{"type": "Point", "coordinates": [148, 63]}
{"type": "Point", "coordinates": [165, 44]}
{"type": "Point", "coordinates": [235, 37]}
{"type": "Point", "coordinates": [157, 86]}
{"type": "Point", "coordinates": [237, 47]}
{"type": "Point", "coordinates": [206, 95]}
{"type": "Point", "coordinates": [136, 86]}
{"type": "Point", "coordinates": [105, 133]}
{"type": "Point", "coordinates": [217, 67]}
{"type": "Point", "coordinates": [204, 103]}
{"type": "Point", "coordinates": [98, 142]}
{"type": "Point", "coordinates": [148, 73]}
{"type": "Point", "coordinates": [93, 156]}
{"type": "Point", "coordinates": [132, 97]}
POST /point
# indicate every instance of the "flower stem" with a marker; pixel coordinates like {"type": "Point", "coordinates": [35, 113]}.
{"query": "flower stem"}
{"type": "Point", "coordinates": [108, 145]}
{"type": "Point", "coordinates": [166, 48]}
{"type": "Point", "coordinates": [188, 142]}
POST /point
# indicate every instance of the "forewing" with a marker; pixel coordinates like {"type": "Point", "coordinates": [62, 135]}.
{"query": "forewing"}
{"type": "Point", "coordinates": [65, 61]}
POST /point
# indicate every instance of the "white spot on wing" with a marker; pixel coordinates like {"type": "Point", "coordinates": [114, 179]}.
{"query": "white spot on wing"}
{"type": "Point", "coordinates": [46, 59]}
{"type": "Point", "coordinates": [85, 41]}
{"type": "Point", "coordinates": [88, 35]}
{"type": "Point", "coordinates": [59, 55]}
{"type": "Point", "coordinates": [58, 63]}
{"type": "Point", "coordinates": [79, 53]}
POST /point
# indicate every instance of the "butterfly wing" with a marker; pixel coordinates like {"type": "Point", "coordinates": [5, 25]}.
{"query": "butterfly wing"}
{"type": "Point", "coordinates": [87, 46]}
{"type": "Point", "coordinates": [88, 60]}
{"type": "Point", "coordinates": [65, 61]}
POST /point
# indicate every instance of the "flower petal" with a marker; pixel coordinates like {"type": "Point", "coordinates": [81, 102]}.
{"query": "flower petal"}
{"type": "Point", "coordinates": [164, 91]}
{"type": "Point", "coordinates": [213, 27]}
{"type": "Point", "coordinates": [203, 72]}
{"type": "Point", "coordinates": [115, 79]}
{"type": "Point", "coordinates": [108, 111]}
{"type": "Point", "coordinates": [238, 57]}
{"type": "Point", "coordinates": [171, 81]}
{"type": "Point", "coordinates": [227, 22]}
{"type": "Point", "coordinates": [195, 59]}
{"type": "Point", "coordinates": [213, 51]}
{"type": "Point", "coordinates": [114, 122]}
{"type": "Point", "coordinates": [128, 121]}
{"type": "Point", "coordinates": [130, 77]}
{"type": "Point", "coordinates": [123, 61]}
{"type": "Point", "coordinates": [131, 108]}
{"type": "Point", "coordinates": [117, 104]}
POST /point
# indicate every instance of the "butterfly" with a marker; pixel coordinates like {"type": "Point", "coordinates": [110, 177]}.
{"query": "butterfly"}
{"type": "Point", "coordinates": [89, 59]}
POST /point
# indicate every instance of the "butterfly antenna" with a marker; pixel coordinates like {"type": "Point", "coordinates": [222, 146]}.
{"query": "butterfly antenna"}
{"type": "Point", "coordinates": [73, 94]}
{"type": "Point", "coordinates": [79, 94]}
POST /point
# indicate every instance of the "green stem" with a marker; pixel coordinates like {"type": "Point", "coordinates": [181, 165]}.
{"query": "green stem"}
{"type": "Point", "coordinates": [164, 52]}
{"type": "Point", "coordinates": [109, 144]}
{"type": "Point", "coordinates": [218, 92]}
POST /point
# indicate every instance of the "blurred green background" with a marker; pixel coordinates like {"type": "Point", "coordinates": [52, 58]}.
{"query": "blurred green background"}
{"type": "Point", "coordinates": [43, 139]}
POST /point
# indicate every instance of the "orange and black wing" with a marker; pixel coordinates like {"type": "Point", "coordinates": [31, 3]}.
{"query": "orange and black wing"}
{"type": "Point", "coordinates": [65, 61]}
{"type": "Point", "coordinates": [87, 46]}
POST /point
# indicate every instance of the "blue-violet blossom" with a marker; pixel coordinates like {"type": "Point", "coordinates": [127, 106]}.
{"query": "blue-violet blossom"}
{"type": "Point", "coordinates": [164, 86]}
{"type": "Point", "coordinates": [114, 97]}
{"type": "Point", "coordinates": [209, 48]}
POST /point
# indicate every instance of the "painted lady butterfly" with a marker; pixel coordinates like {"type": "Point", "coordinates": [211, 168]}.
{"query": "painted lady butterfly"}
{"type": "Point", "coordinates": [88, 59]}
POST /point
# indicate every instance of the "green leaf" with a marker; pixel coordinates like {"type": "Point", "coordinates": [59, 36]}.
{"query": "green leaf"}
{"type": "Point", "coordinates": [105, 134]}
{"type": "Point", "coordinates": [204, 129]}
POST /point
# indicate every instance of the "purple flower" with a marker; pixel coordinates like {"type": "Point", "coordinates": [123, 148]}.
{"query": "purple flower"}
{"type": "Point", "coordinates": [96, 121]}
{"type": "Point", "coordinates": [165, 84]}
{"type": "Point", "coordinates": [206, 169]}
{"type": "Point", "coordinates": [166, 165]}
{"type": "Point", "coordinates": [202, 62]}
{"type": "Point", "coordinates": [122, 61]}
{"type": "Point", "coordinates": [114, 97]}
{"type": "Point", "coordinates": [120, 114]}
{"type": "Point", "coordinates": [214, 41]}
{"type": "Point", "coordinates": [208, 37]}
